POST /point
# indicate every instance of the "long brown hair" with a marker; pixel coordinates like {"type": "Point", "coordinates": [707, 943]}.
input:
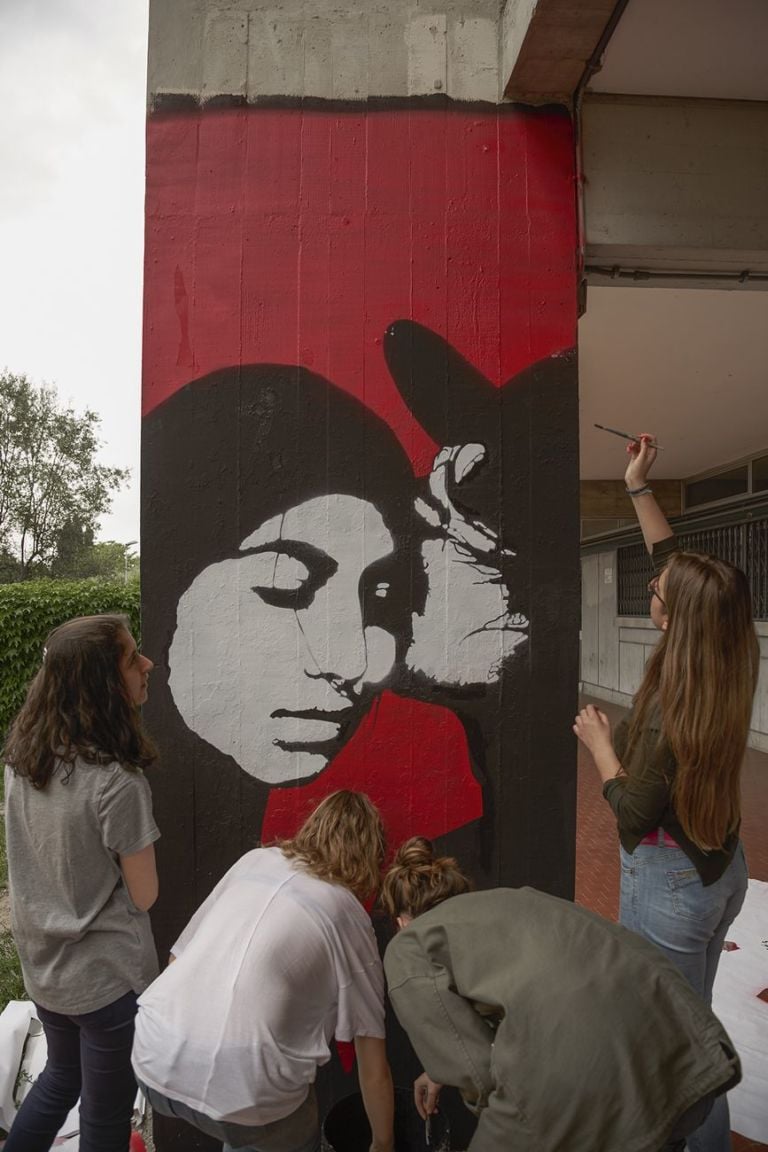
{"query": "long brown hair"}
{"type": "Point", "coordinates": [702, 678]}
{"type": "Point", "coordinates": [77, 704]}
{"type": "Point", "coordinates": [343, 842]}
{"type": "Point", "coordinates": [418, 880]}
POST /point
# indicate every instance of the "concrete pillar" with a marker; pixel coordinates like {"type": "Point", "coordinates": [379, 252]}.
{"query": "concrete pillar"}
{"type": "Point", "coordinates": [357, 255]}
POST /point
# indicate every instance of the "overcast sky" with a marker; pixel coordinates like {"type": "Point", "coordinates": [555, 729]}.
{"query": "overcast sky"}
{"type": "Point", "coordinates": [72, 90]}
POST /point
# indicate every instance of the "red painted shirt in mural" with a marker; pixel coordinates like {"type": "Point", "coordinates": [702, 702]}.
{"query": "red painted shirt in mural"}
{"type": "Point", "coordinates": [410, 758]}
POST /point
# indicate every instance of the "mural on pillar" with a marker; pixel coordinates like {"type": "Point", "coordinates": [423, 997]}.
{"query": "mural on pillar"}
{"type": "Point", "coordinates": [359, 484]}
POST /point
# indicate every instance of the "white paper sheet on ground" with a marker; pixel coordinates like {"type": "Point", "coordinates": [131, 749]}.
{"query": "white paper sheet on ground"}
{"type": "Point", "coordinates": [22, 1058]}
{"type": "Point", "coordinates": [742, 975]}
{"type": "Point", "coordinates": [14, 1026]}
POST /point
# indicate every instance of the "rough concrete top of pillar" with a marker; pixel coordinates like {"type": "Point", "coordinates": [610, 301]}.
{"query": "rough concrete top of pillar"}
{"type": "Point", "coordinates": [254, 50]}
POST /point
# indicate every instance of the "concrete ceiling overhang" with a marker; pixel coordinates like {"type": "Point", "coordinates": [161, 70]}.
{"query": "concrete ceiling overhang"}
{"type": "Point", "coordinates": [692, 48]}
{"type": "Point", "coordinates": [548, 44]}
{"type": "Point", "coordinates": [683, 191]}
{"type": "Point", "coordinates": [695, 48]}
{"type": "Point", "coordinates": [689, 365]}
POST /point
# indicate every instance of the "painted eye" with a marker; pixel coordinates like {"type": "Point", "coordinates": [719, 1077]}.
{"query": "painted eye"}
{"type": "Point", "coordinates": [288, 574]}
{"type": "Point", "coordinates": [279, 570]}
{"type": "Point", "coordinates": [382, 589]}
{"type": "Point", "coordinates": [277, 578]}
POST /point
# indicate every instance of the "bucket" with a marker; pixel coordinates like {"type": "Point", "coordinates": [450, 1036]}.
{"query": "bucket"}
{"type": "Point", "coordinates": [346, 1127]}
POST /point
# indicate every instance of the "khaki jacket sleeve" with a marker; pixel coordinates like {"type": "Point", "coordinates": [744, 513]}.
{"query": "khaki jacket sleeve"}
{"type": "Point", "coordinates": [451, 1039]}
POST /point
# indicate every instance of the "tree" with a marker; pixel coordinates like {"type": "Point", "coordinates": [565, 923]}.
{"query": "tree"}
{"type": "Point", "coordinates": [113, 561]}
{"type": "Point", "coordinates": [49, 476]}
{"type": "Point", "coordinates": [79, 558]}
{"type": "Point", "coordinates": [9, 567]}
{"type": "Point", "coordinates": [73, 547]}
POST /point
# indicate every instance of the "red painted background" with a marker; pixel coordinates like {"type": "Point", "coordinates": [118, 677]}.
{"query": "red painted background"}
{"type": "Point", "coordinates": [297, 236]}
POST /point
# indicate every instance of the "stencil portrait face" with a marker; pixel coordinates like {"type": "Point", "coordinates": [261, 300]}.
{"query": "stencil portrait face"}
{"type": "Point", "coordinates": [278, 648]}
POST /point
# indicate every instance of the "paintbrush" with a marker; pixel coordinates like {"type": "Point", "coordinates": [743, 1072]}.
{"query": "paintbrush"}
{"type": "Point", "coordinates": [626, 436]}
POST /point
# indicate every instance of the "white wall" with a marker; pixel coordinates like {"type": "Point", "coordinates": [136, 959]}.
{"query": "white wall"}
{"type": "Point", "coordinates": [614, 649]}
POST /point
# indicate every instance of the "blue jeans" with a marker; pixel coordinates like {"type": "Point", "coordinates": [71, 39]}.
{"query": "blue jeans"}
{"type": "Point", "coordinates": [89, 1057]}
{"type": "Point", "coordinates": [664, 900]}
{"type": "Point", "coordinates": [299, 1132]}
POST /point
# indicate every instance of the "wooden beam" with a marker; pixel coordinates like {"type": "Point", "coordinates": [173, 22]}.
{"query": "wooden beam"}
{"type": "Point", "coordinates": [607, 499]}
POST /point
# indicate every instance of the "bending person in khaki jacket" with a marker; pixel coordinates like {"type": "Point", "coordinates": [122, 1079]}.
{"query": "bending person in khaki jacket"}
{"type": "Point", "coordinates": [564, 1032]}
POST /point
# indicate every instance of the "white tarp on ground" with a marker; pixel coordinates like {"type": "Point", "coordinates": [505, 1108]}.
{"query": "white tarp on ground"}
{"type": "Point", "coordinates": [22, 1058]}
{"type": "Point", "coordinates": [741, 978]}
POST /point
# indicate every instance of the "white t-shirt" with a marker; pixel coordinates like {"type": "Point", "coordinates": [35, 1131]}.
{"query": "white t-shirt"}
{"type": "Point", "coordinates": [271, 968]}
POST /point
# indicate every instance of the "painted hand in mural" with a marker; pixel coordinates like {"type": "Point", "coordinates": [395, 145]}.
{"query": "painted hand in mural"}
{"type": "Point", "coordinates": [467, 628]}
{"type": "Point", "coordinates": [470, 623]}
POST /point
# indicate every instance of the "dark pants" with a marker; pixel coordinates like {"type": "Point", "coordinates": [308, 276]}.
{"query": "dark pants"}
{"type": "Point", "coordinates": [690, 1121]}
{"type": "Point", "coordinates": [298, 1132]}
{"type": "Point", "coordinates": [89, 1056]}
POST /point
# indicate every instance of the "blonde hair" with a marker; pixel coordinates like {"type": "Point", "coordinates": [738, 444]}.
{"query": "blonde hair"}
{"type": "Point", "coordinates": [418, 880]}
{"type": "Point", "coordinates": [342, 842]}
{"type": "Point", "coordinates": [702, 677]}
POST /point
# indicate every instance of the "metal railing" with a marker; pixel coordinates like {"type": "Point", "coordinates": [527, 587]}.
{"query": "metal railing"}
{"type": "Point", "coordinates": [744, 544]}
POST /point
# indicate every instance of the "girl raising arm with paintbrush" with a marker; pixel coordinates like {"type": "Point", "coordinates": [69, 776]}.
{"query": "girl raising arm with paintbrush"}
{"type": "Point", "coordinates": [672, 770]}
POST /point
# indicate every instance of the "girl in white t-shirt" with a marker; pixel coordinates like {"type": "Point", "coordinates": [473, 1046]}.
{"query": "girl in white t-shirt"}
{"type": "Point", "coordinates": [279, 961]}
{"type": "Point", "coordinates": [81, 860]}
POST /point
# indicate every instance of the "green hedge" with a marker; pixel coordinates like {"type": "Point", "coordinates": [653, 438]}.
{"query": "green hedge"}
{"type": "Point", "coordinates": [29, 611]}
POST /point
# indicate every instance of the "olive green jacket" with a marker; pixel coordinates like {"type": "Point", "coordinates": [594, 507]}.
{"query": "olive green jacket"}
{"type": "Point", "coordinates": [642, 799]}
{"type": "Point", "coordinates": [568, 1033]}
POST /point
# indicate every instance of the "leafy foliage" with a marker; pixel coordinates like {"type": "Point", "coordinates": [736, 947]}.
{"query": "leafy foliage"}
{"type": "Point", "coordinates": [29, 611]}
{"type": "Point", "coordinates": [11, 980]}
{"type": "Point", "coordinates": [48, 471]}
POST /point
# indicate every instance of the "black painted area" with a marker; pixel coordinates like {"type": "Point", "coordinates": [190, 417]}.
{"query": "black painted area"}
{"type": "Point", "coordinates": [174, 103]}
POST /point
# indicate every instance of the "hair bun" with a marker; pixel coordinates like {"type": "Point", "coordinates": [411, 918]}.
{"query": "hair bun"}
{"type": "Point", "coordinates": [414, 853]}
{"type": "Point", "coordinates": [418, 879]}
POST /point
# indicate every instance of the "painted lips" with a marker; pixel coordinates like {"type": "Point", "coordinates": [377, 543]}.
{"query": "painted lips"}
{"type": "Point", "coordinates": [307, 727]}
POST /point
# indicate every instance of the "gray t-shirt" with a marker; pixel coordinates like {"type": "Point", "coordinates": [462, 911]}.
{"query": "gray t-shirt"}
{"type": "Point", "coordinates": [81, 940]}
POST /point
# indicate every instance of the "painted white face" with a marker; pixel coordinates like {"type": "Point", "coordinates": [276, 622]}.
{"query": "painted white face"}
{"type": "Point", "coordinates": [271, 661]}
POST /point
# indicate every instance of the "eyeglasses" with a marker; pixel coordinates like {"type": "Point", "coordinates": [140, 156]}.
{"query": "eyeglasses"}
{"type": "Point", "coordinates": [653, 588]}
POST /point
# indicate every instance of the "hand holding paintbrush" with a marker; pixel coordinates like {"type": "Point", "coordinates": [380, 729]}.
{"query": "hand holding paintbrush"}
{"type": "Point", "coordinates": [627, 436]}
{"type": "Point", "coordinates": [643, 453]}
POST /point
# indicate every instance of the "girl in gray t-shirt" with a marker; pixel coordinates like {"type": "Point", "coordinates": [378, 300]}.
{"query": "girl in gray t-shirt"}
{"type": "Point", "coordinates": [81, 859]}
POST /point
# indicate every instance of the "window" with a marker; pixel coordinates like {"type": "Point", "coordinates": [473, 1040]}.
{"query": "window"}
{"type": "Point", "coordinates": [721, 486]}
{"type": "Point", "coordinates": [760, 474]}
